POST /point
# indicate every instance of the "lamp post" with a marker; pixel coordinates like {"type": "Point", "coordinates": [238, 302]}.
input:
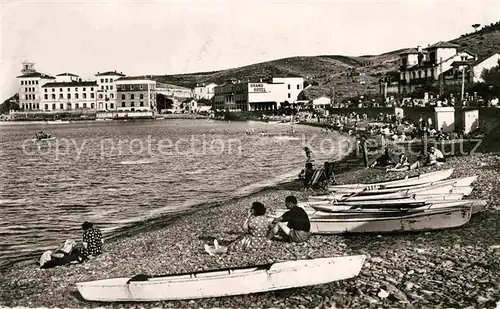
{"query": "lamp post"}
{"type": "Point", "coordinates": [463, 83]}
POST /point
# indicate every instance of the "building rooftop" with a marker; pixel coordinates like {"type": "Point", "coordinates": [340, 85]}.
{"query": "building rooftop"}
{"type": "Point", "coordinates": [442, 44]}
{"type": "Point", "coordinates": [67, 74]}
{"type": "Point", "coordinates": [36, 74]}
{"type": "Point", "coordinates": [108, 73]}
{"type": "Point", "coordinates": [409, 51]}
{"type": "Point", "coordinates": [70, 84]}
{"type": "Point", "coordinates": [144, 77]}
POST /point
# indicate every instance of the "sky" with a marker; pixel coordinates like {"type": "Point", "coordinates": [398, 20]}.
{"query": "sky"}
{"type": "Point", "coordinates": [183, 36]}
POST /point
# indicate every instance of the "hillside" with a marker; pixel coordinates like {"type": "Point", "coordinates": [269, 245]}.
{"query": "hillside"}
{"type": "Point", "coordinates": [347, 76]}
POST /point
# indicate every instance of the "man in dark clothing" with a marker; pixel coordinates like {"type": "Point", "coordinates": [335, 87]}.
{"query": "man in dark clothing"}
{"type": "Point", "coordinates": [294, 223]}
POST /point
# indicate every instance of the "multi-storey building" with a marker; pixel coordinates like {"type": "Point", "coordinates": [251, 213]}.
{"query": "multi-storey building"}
{"type": "Point", "coordinates": [204, 91]}
{"type": "Point", "coordinates": [257, 96]}
{"type": "Point", "coordinates": [135, 94]}
{"type": "Point", "coordinates": [106, 89]}
{"type": "Point", "coordinates": [424, 66]}
{"type": "Point", "coordinates": [72, 94]}
{"type": "Point", "coordinates": [30, 83]}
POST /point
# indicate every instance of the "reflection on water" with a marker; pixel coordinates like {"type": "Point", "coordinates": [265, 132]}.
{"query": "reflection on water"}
{"type": "Point", "coordinates": [115, 174]}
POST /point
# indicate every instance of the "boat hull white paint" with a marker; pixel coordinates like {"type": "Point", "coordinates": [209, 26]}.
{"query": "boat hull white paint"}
{"type": "Point", "coordinates": [423, 178]}
{"type": "Point", "coordinates": [428, 220]}
{"type": "Point", "coordinates": [282, 275]}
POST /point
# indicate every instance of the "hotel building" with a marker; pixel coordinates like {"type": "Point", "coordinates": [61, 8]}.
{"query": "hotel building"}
{"type": "Point", "coordinates": [135, 94]}
{"type": "Point", "coordinates": [68, 92]}
{"type": "Point", "coordinates": [204, 91]}
{"type": "Point", "coordinates": [257, 96]}
{"type": "Point", "coordinates": [30, 87]}
{"type": "Point", "coordinates": [106, 90]}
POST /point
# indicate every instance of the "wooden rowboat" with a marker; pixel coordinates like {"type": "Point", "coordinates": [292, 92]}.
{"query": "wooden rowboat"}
{"type": "Point", "coordinates": [465, 181]}
{"type": "Point", "coordinates": [217, 283]}
{"type": "Point", "coordinates": [421, 221]}
{"type": "Point", "coordinates": [415, 180]}
{"type": "Point", "coordinates": [429, 196]}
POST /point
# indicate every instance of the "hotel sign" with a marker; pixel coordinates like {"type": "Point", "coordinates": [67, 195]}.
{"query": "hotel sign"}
{"type": "Point", "coordinates": [259, 87]}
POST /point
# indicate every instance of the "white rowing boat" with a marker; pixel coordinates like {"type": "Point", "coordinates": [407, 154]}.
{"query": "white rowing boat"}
{"type": "Point", "coordinates": [217, 283]}
{"type": "Point", "coordinates": [408, 181]}
{"type": "Point", "coordinates": [459, 182]}
{"type": "Point", "coordinates": [397, 195]}
{"type": "Point", "coordinates": [420, 221]}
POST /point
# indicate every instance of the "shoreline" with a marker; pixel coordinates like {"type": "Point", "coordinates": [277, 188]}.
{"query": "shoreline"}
{"type": "Point", "coordinates": [406, 265]}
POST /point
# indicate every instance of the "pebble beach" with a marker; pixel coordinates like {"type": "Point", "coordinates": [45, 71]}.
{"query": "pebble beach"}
{"type": "Point", "coordinates": [457, 268]}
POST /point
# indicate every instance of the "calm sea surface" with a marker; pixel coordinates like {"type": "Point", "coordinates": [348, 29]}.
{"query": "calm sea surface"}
{"type": "Point", "coordinates": [115, 174]}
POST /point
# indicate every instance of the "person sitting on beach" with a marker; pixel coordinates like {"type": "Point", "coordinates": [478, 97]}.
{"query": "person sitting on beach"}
{"type": "Point", "coordinates": [384, 160]}
{"type": "Point", "coordinates": [402, 165]}
{"type": "Point", "coordinates": [436, 157]}
{"type": "Point", "coordinates": [65, 254]}
{"type": "Point", "coordinates": [256, 227]}
{"type": "Point", "coordinates": [293, 225]}
{"type": "Point", "coordinates": [92, 240]}
{"type": "Point", "coordinates": [306, 174]}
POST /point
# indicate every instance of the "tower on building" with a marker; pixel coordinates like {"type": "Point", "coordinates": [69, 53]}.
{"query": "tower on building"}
{"type": "Point", "coordinates": [28, 67]}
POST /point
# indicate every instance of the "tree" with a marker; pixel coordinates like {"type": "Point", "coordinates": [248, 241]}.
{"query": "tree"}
{"type": "Point", "coordinates": [475, 26]}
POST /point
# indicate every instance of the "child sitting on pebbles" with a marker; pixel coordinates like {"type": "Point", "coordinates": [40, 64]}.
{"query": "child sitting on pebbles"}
{"type": "Point", "coordinates": [256, 227]}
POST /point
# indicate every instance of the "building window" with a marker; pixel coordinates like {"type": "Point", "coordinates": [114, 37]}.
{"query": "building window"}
{"type": "Point", "coordinates": [83, 88]}
{"type": "Point", "coordinates": [298, 87]}
{"type": "Point", "coordinates": [69, 105]}
{"type": "Point", "coordinates": [102, 80]}
{"type": "Point", "coordinates": [419, 74]}
{"type": "Point", "coordinates": [123, 104]}
{"type": "Point", "coordinates": [46, 106]}
{"type": "Point", "coordinates": [91, 88]}
{"type": "Point", "coordinates": [132, 104]}
{"type": "Point", "coordinates": [141, 104]}
{"type": "Point", "coordinates": [102, 87]}
{"type": "Point", "coordinates": [123, 87]}
{"type": "Point", "coordinates": [112, 96]}
{"type": "Point", "coordinates": [69, 96]}
{"type": "Point", "coordinates": [76, 105]}
{"type": "Point", "coordinates": [53, 89]}
{"type": "Point", "coordinates": [107, 88]}
{"type": "Point", "coordinates": [45, 89]}
{"type": "Point", "coordinates": [92, 95]}
{"type": "Point", "coordinates": [289, 87]}
{"type": "Point", "coordinates": [100, 95]}
{"type": "Point", "coordinates": [76, 95]}
{"type": "Point", "coordinates": [141, 96]}
{"type": "Point", "coordinates": [289, 95]}
{"type": "Point", "coordinates": [141, 87]}
{"type": "Point", "coordinates": [36, 82]}
{"type": "Point", "coordinates": [60, 89]}
{"type": "Point", "coordinates": [69, 89]}
{"type": "Point", "coordinates": [84, 95]}
{"type": "Point", "coordinates": [106, 80]}
{"type": "Point", "coordinates": [53, 96]}
{"type": "Point", "coordinates": [123, 97]}
{"type": "Point", "coordinates": [53, 106]}
{"type": "Point", "coordinates": [22, 83]}
{"type": "Point", "coordinates": [84, 105]}
{"type": "Point", "coordinates": [131, 87]}
{"type": "Point", "coordinates": [45, 96]}
{"type": "Point", "coordinates": [131, 96]}
{"type": "Point", "coordinates": [111, 105]}
{"type": "Point", "coordinates": [91, 105]}
{"type": "Point", "coordinates": [61, 96]}
{"type": "Point", "coordinates": [111, 87]}
{"type": "Point", "coordinates": [76, 89]}
{"type": "Point", "coordinates": [61, 106]}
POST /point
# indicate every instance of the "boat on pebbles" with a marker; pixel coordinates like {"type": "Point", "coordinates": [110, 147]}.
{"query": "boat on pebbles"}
{"type": "Point", "coordinates": [223, 282]}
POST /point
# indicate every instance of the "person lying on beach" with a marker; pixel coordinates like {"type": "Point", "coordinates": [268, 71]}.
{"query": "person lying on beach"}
{"type": "Point", "coordinates": [92, 240]}
{"type": "Point", "coordinates": [293, 225]}
{"type": "Point", "coordinates": [65, 254]}
{"type": "Point", "coordinates": [402, 164]}
{"type": "Point", "coordinates": [436, 157]}
{"type": "Point", "coordinates": [384, 160]}
{"type": "Point", "coordinates": [256, 227]}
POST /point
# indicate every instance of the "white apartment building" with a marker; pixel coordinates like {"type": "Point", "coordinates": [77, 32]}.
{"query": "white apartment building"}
{"type": "Point", "coordinates": [204, 91]}
{"type": "Point", "coordinates": [30, 85]}
{"type": "Point", "coordinates": [257, 96]}
{"type": "Point", "coordinates": [106, 89]}
{"type": "Point", "coordinates": [68, 95]}
{"type": "Point", "coordinates": [135, 94]}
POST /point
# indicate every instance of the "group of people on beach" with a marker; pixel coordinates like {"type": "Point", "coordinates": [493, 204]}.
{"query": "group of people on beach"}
{"type": "Point", "coordinates": [434, 157]}
{"type": "Point", "coordinates": [292, 226]}
{"type": "Point", "coordinates": [71, 252]}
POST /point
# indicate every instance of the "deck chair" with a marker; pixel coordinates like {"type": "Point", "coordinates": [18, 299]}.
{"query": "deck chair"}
{"type": "Point", "coordinates": [317, 178]}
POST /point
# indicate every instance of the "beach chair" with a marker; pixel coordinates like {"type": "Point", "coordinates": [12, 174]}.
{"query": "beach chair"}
{"type": "Point", "coordinates": [318, 178]}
